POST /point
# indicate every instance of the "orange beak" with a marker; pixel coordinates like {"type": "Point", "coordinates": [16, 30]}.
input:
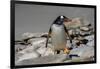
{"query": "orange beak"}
{"type": "Point", "coordinates": [67, 20]}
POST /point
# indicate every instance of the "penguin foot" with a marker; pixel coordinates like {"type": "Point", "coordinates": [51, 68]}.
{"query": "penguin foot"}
{"type": "Point", "coordinates": [66, 51]}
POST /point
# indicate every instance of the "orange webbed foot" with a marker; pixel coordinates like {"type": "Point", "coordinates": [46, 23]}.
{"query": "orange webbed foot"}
{"type": "Point", "coordinates": [66, 51]}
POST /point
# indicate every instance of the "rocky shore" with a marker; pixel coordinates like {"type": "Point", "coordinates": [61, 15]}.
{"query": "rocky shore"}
{"type": "Point", "coordinates": [30, 49]}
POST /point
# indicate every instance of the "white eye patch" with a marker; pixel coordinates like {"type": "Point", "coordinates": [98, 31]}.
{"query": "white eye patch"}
{"type": "Point", "coordinates": [61, 17]}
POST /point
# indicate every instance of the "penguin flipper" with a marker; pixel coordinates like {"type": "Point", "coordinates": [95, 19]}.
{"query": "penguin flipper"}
{"type": "Point", "coordinates": [49, 33]}
{"type": "Point", "coordinates": [68, 34]}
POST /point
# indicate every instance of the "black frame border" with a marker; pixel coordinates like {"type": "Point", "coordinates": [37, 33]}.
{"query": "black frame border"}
{"type": "Point", "coordinates": [12, 33]}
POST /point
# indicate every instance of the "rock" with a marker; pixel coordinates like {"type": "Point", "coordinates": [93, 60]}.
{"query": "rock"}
{"type": "Point", "coordinates": [85, 33]}
{"type": "Point", "coordinates": [82, 33]}
{"type": "Point", "coordinates": [28, 56]}
{"type": "Point", "coordinates": [41, 50]}
{"type": "Point", "coordinates": [45, 51]}
{"type": "Point", "coordinates": [74, 23]}
{"type": "Point", "coordinates": [77, 31]}
{"type": "Point", "coordinates": [85, 22]}
{"type": "Point", "coordinates": [90, 37]}
{"type": "Point", "coordinates": [74, 44]}
{"type": "Point", "coordinates": [70, 32]}
{"type": "Point", "coordinates": [37, 53]}
{"type": "Point", "coordinates": [58, 58]}
{"type": "Point", "coordinates": [82, 45]}
{"type": "Point", "coordinates": [19, 48]}
{"type": "Point", "coordinates": [29, 35]}
{"type": "Point", "coordinates": [90, 43]}
{"type": "Point", "coordinates": [48, 52]}
{"type": "Point", "coordinates": [79, 59]}
{"type": "Point", "coordinates": [68, 44]}
{"type": "Point", "coordinates": [28, 49]}
{"type": "Point", "coordinates": [84, 41]}
{"type": "Point", "coordinates": [84, 28]}
{"type": "Point", "coordinates": [71, 45]}
{"type": "Point", "coordinates": [74, 32]}
{"type": "Point", "coordinates": [83, 51]}
{"type": "Point", "coordinates": [37, 41]}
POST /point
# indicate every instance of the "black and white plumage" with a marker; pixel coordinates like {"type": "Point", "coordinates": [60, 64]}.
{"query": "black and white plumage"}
{"type": "Point", "coordinates": [58, 33]}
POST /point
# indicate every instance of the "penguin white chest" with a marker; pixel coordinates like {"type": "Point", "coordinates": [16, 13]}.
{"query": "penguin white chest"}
{"type": "Point", "coordinates": [58, 37]}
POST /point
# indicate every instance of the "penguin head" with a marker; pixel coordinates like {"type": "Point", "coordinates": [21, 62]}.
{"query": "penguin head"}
{"type": "Point", "coordinates": [60, 20]}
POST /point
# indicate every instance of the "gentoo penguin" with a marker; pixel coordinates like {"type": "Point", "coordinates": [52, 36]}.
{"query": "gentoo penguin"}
{"type": "Point", "coordinates": [58, 33]}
